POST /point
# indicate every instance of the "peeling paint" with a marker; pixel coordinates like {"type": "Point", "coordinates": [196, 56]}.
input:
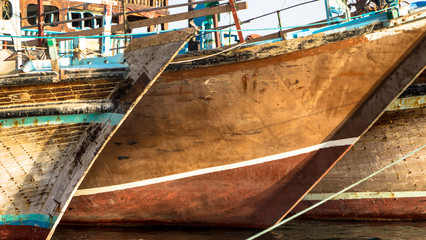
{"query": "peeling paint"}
{"type": "Point", "coordinates": [110, 118]}
{"type": "Point", "coordinates": [407, 103]}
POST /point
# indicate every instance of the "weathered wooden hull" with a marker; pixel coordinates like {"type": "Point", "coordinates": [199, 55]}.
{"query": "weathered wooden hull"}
{"type": "Point", "coordinates": [42, 126]}
{"type": "Point", "coordinates": [53, 125]}
{"type": "Point", "coordinates": [239, 139]}
{"type": "Point", "coordinates": [398, 193]}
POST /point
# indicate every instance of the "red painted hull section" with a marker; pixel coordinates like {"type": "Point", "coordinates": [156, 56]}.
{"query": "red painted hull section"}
{"type": "Point", "coordinates": [251, 196]}
{"type": "Point", "coordinates": [18, 232]}
{"type": "Point", "coordinates": [412, 208]}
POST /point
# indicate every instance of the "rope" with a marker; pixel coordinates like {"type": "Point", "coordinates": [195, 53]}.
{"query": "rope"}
{"type": "Point", "coordinates": [334, 195]}
{"type": "Point", "coordinates": [196, 59]}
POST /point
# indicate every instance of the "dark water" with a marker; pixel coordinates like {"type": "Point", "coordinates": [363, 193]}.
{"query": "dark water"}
{"type": "Point", "coordinates": [300, 229]}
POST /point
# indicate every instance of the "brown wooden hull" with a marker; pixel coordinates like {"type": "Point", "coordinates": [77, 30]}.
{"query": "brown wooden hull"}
{"type": "Point", "coordinates": [239, 139]}
{"type": "Point", "coordinates": [397, 193]}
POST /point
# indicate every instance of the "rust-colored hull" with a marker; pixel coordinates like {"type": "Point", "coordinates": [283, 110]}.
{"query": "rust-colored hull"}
{"type": "Point", "coordinates": [239, 139]}
{"type": "Point", "coordinates": [228, 198]}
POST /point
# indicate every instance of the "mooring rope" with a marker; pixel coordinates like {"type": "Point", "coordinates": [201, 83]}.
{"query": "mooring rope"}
{"type": "Point", "coordinates": [334, 195]}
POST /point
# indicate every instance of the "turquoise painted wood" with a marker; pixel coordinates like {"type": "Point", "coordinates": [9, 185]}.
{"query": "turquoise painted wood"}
{"type": "Point", "coordinates": [109, 118]}
{"type": "Point", "coordinates": [36, 220]}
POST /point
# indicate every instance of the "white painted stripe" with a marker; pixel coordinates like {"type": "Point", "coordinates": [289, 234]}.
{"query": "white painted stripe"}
{"type": "Point", "coordinates": [397, 30]}
{"type": "Point", "coordinates": [342, 142]}
{"type": "Point", "coordinates": [364, 195]}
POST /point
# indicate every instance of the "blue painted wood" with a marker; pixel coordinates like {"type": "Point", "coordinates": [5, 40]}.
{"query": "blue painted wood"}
{"type": "Point", "coordinates": [109, 118]}
{"type": "Point", "coordinates": [36, 220]}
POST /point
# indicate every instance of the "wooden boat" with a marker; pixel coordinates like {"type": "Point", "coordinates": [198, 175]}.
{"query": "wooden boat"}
{"type": "Point", "coordinates": [236, 137]}
{"type": "Point", "coordinates": [53, 125]}
{"type": "Point", "coordinates": [396, 194]}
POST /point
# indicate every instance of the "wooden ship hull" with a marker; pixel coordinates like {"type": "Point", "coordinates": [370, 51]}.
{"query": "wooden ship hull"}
{"type": "Point", "coordinates": [396, 194]}
{"type": "Point", "coordinates": [53, 124]}
{"type": "Point", "coordinates": [239, 138]}
{"type": "Point", "coordinates": [79, 10]}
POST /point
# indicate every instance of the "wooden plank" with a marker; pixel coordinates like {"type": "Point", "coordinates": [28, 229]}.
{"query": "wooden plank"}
{"type": "Point", "coordinates": [174, 36]}
{"type": "Point", "coordinates": [151, 21]}
{"type": "Point", "coordinates": [182, 16]}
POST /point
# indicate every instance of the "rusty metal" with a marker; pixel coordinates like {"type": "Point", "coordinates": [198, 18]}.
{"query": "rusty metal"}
{"type": "Point", "coordinates": [236, 20]}
{"type": "Point", "coordinates": [216, 33]}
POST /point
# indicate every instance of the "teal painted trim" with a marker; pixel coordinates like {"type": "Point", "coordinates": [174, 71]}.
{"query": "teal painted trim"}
{"type": "Point", "coordinates": [99, 62]}
{"type": "Point", "coordinates": [407, 103]}
{"type": "Point", "coordinates": [36, 220]}
{"type": "Point", "coordinates": [110, 118]}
